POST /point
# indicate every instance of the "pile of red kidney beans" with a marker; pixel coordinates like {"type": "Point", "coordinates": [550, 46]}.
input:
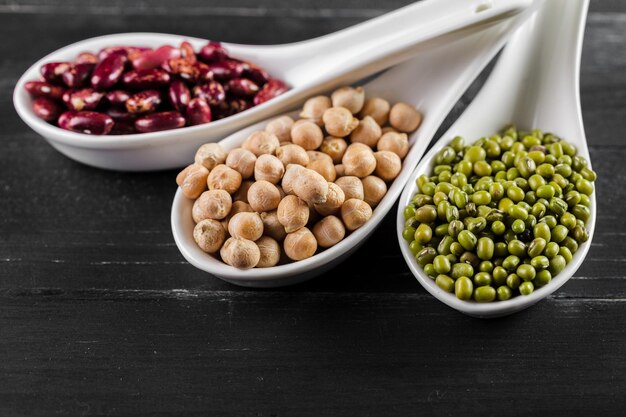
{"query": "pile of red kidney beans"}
{"type": "Point", "coordinates": [126, 89]}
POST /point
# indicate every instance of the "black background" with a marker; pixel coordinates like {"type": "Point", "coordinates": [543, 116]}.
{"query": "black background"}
{"type": "Point", "coordinates": [101, 315]}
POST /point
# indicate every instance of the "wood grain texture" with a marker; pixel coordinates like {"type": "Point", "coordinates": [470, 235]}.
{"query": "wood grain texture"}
{"type": "Point", "coordinates": [101, 315]}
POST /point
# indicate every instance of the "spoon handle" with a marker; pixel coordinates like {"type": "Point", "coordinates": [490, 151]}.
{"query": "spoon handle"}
{"type": "Point", "coordinates": [390, 38]}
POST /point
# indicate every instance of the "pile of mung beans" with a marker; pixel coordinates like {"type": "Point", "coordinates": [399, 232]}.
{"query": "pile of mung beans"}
{"type": "Point", "coordinates": [502, 216]}
{"type": "Point", "coordinates": [298, 187]}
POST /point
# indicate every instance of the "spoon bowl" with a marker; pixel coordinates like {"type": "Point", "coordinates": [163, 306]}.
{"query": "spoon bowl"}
{"type": "Point", "coordinates": [419, 82]}
{"type": "Point", "coordinates": [533, 85]}
{"type": "Point", "coordinates": [308, 67]}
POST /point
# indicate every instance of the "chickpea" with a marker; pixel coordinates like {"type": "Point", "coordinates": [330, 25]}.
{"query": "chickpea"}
{"type": "Point", "coordinates": [325, 168]}
{"type": "Point", "coordinates": [242, 161]}
{"type": "Point", "coordinates": [212, 204]}
{"type": "Point", "coordinates": [293, 213]}
{"type": "Point", "coordinates": [339, 122]}
{"type": "Point", "coordinates": [240, 253]}
{"type": "Point", "coordinates": [209, 235]}
{"type": "Point", "coordinates": [307, 134]}
{"type": "Point", "coordinates": [281, 127]}
{"type": "Point", "coordinates": [192, 180]}
{"type": "Point", "coordinates": [246, 225]}
{"type": "Point", "coordinates": [271, 225]}
{"type": "Point", "coordinates": [268, 168]}
{"type": "Point", "coordinates": [374, 189]}
{"type": "Point", "coordinates": [292, 154]}
{"type": "Point", "coordinates": [329, 231]}
{"type": "Point", "coordinates": [314, 108]}
{"type": "Point", "coordinates": [367, 132]}
{"type": "Point", "coordinates": [335, 148]}
{"type": "Point", "coordinates": [377, 108]}
{"type": "Point", "coordinates": [238, 207]}
{"type": "Point", "coordinates": [355, 213]}
{"type": "Point", "coordinates": [388, 129]}
{"type": "Point", "coordinates": [292, 171]}
{"type": "Point", "coordinates": [334, 200]}
{"type": "Point", "coordinates": [359, 160]}
{"type": "Point", "coordinates": [242, 192]}
{"type": "Point", "coordinates": [340, 170]}
{"type": "Point", "coordinates": [310, 186]}
{"type": "Point", "coordinates": [395, 142]}
{"type": "Point", "coordinates": [349, 98]}
{"type": "Point", "coordinates": [281, 191]}
{"type": "Point", "coordinates": [270, 252]}
{"type": "Point", "coordinates": [351, 186]}
{"type": "Point", "coordinates": [210, 155]}
{"type": "Point", "coordinates": [317, 155]}
{"type": "Point", "coordinates": [404, 117]}
{"type": "Point", "coordinates": [224, 178]}
{"type": "Point", "coordinates": [388, 165]}
{"type": "Point", "coordinates": [261, 142]}
{"type": "Point", "coordinates": [300, 244]}
{"type": "Point", "coordinates": [263, 196]}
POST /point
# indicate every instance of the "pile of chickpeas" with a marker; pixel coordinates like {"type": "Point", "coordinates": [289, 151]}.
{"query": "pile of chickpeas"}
{"type": "Point", "coordinates": [298, 186]}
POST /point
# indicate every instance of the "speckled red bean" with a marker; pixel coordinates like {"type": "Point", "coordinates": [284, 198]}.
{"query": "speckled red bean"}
{"type": "Point", "coordinates": [122, 116]}
{"type": "Point", "coordinates": [230, 107]}
{"type": "Point", "coordinates": [77, 75]}
{"type": "Point", "coordinates": [118, 98]}
{"type": "Point", "coordinates": [123, 128]}
{"type": "Point", "coordinates": [104, 53]}
{"type": "Point", "coordinates": [160, 121]}
{"type": "Point", "coordinates": [86, 58]}
{"type": "Point", "coordinates": [108, 72]}
{"type": "Point", "coordinates": [89, 122]}
{"type": "Point", "coordinates": [85, 99]}
{"type": "Point", "coordinates": [179, 95]}
{"type": "Point", "coordinates": [47, 109]}
{"type": "Point", "coordinates": [44, 89]}
{"type": "Point", "coordinates": [187, 52]}
{"type": "Point", "coordinates": [226, 70]}
{"type": "Point", "coordinates": [270, 90]}
{"type": "Point", "coordinates": [154, 58]}
{"type": "Point", "coordinates": [144, 101]}
{"type": "Point", "coordinates": [183, 68]}
{"type": "Point", "coordinates": [213, 52]}
{"type": "Point", "coordinates": [146, 79]}
{"type": "Point", "coordinates": [198, 112]}
{"type": "Point", "coordinates": [212, 92]}
{"type": "Point", "coordinates": [242, 87]}
{"type": "Point", "coordinates": [52, 72]}
{"type": "Point", "coordinates": [256, 74]}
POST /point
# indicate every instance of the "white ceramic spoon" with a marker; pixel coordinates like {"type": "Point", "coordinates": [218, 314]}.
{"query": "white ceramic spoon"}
{"type": "Point", "coordinates": [309, 67]}
{"type": "Point", "coordinates": [534, 85]}
{"type": "Point", "coordinates": [433, 82]}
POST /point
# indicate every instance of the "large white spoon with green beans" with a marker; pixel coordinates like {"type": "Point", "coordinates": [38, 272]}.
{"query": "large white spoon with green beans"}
{"type": "Point", "coordinates": [500, 212]}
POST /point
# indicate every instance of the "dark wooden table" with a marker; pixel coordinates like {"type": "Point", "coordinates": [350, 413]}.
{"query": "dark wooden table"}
{"type": "Point", "coordinates": [101, 315]}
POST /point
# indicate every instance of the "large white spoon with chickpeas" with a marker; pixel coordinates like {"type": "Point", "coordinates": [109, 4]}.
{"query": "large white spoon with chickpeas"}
{"type": "Point", "coordinates": [287, 198]}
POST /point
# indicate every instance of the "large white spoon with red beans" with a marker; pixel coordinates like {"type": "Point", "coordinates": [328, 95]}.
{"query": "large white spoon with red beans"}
{"type": "Point", "coordinates": [308, 68]}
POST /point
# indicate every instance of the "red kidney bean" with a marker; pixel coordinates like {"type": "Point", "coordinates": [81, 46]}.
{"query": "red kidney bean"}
{"type": "Point", "coordinates": [85, 99]}
{"type": "Point", "coordinates": [160, 121]}
{"type": "Point", "coordinates": [204, 72]}
{"type": "Point", "coordinates": [52, 72]}
{"type": "Point", "coordinates": [256, 74]}
{"type": "Point", "coordinates": [104, 53]}
{"type": "Point", "coordinates": [212, 92]}
{"type": "Point", "coordinates": [86, 58]}
{"type": "Point", "coordinates": [213, 52]}
{"type": "Point", "coordinates": [179, 95]}
{"type": "Point", "coordinates": [154, 58]}
{"type": "Point", "coordinates": [77, 75]}
{"type": "Point", "coordinates": [144, 79]}
{"type": "Point", "coordinates": [44, 89]}
{"type": "Point", "coordinates": [187, 52]}
{"type": "Point", "coordinates": [242, 87]}
{"type": "Point", "coordinates": [198, 112]}
{"type": "Point", "coordinates": [89, 122]}
{"type": "Point", "coordinates": [123, 128]}
{"type": "Point", "coordinates": [270, 90]}
{"type": "Point", "coordinates": [144, 101]}
{"type": "Point", "coordinates": [117, 98]}
{"type": "Point", "coordinates": [226, 70]}
{"type": "Point", "coordinates": [47, 109]}
{"type": "Point", "coordinates": [121, 115]}
{"type": "Point", "coordinates": [108, 72]}
{"type": "Point", "coordinates": [230, 107]}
